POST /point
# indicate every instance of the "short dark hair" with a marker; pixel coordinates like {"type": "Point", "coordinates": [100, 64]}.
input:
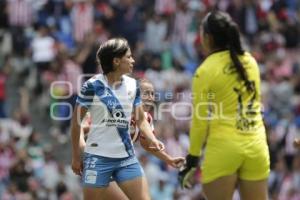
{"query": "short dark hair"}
{"type": "Point", "coordinates": [113, 48]}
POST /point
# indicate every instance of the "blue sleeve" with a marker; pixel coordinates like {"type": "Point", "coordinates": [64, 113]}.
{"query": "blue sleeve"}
{"type": "Point", "coordinates": [137, 101]}
{"type": "Point", "coordinates": [86, 95]}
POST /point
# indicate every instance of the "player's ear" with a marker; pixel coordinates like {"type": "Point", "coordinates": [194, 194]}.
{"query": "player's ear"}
{"type": "Point", "coordinates": [116, 62]}
{"type": "Point", "coordinates": [210, 40]}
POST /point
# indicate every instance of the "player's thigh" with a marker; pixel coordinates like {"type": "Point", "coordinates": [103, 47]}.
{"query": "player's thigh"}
{"type": "Point", "coordinates": [255, 170]}
{"type": "Point", "coordinates": [97, 178]}
{"type": "Point", "coordinates": [221, 188]}
{"type": "Point", "coordinates": [111, 192]}
{"type": "Point", "coordinates": [250, 190]}
{"type": "Point", "coordinates": [136, 189]}
{"type": "Point", "coordinates": [93, 193]}
{"type": "Point", "coordinates": [132, 181]}
{"type": "Point", "coordinates": [114, 192]}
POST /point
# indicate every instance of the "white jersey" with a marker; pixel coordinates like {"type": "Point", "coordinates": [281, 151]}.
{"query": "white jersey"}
{"type": "Point", "coordinates": [110, 110]}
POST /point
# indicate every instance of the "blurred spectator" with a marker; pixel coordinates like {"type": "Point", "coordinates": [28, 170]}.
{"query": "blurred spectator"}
{"type": "Point", "coordinates": [3, 15]}
{"type": "Point", "coordinates": [67, 76]}
{"type": "Point", "coordinates": [3, 78]}
{"type": "Point", "coordinates": [156, 34]}
{"type": "Point", "coordinates": [5, 43]}
{"type": "Point", "coordinates": [20, 173]}
{"type": "Point", "coordinates": [82, 18]}
{"type": "Point", "coordinates": [281, 98]}
{"type": "Point", "coordinates": [127, 21]}
{"type": "Point", "coordinates": [182, 45]}
{"type": "Point", "coordinates": [20, 13]}
{"type": "Point", "coordinates": [36, 155]}
{"type": "Point", "coordinates": [166, 7]}
{"type": "Point", "coordinates": [62, 192]}
{"type": "Point", "coordinates": [7, 158]}
{"type": "Point", "coordinates": [43, 53]}
{"type": "Point", "coordinates": [14, 193]}
{"type": "Point", "coordinates": [16, 127]}
{"type": "Point", "coordinates": [152, 171]}
{"type": "Point", "coordinates": [101, 33]}
{"type": "Point", "coordinates": [51, 177]}
{"type": "Point", "coordinates": [86, 56]}
{"type": "Point", "coordinates": [43, 49]}
{"type": "Point", "coordinates": [162, 190]}
{"type": "Point", "coordinates": [155, 76]}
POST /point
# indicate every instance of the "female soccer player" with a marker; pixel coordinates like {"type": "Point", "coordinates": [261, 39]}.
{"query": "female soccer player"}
{"type": "Point", "coordinates": [110, 99]}
{"type": "Point", "coordinates": [227, 116]}
{"type": "Point", "coordinates": [147, 95]}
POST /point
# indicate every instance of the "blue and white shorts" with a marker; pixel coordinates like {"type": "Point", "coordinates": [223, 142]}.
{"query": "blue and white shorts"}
{"type": "Point", "coordinates": [98, 171]}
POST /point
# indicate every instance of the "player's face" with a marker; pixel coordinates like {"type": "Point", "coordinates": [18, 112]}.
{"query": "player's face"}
{"type": "Point", "coordinates": [126, 63]}
{"type": "Point", "coordinates": [147, 94]}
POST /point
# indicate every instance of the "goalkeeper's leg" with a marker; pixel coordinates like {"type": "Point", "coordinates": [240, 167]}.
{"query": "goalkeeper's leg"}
{"type": "Point", "coordinates": [221, 188]}
{"type": "Point", "coordinates": [257, 190]}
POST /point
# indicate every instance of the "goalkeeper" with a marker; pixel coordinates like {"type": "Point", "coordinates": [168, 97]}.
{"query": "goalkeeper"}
{"type": "Point", "coordinates": [227, 117]}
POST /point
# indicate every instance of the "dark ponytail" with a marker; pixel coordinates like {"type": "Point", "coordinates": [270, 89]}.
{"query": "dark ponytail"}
{"type": "Point", "coordinates": [226, 35]}
{"type": "Point", "coordinates": [235, 48]}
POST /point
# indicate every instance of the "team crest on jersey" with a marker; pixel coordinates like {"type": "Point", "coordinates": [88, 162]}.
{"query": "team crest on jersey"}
{"type": "Point", "coordinates": [117, 113]}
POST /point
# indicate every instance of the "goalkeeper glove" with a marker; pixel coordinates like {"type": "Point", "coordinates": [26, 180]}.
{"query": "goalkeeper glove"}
{"type": "Point", "coordinates": [188, 171]}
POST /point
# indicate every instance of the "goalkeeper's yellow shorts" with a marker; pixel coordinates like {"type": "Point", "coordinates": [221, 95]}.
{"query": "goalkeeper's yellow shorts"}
{"type": "Point", "coordinates": [248, 158]}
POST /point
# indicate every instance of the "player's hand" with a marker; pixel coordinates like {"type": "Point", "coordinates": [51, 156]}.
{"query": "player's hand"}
{"type": "Point", "coordinates": [176, 162]}
{"type": "Point", "coordinates": [156, 145]}
{"type": "Point", "coordinates": [296, 143]}
{"type": "Point", "coordinates": [188, 170]}
{"type": "Point", "coordinates": [77, 166]}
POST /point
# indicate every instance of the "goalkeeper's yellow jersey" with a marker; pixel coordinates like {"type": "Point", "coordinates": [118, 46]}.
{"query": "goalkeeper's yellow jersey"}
{"type": "Point", "coordinates": [222, 107]}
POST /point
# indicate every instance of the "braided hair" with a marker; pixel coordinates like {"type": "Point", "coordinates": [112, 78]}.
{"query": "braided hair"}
{"type": "Point", "coordinates": [225, 34]}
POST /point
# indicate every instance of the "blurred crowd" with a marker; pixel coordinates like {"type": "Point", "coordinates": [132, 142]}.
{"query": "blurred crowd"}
{"type": "Point", "coordinates": [48, 47]}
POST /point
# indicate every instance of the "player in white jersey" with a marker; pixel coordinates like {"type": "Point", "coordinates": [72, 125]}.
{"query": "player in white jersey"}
{"type": "Point", "coordinates": [147, 95]}
{"type": "Point", "coordinates": [110, 98]}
